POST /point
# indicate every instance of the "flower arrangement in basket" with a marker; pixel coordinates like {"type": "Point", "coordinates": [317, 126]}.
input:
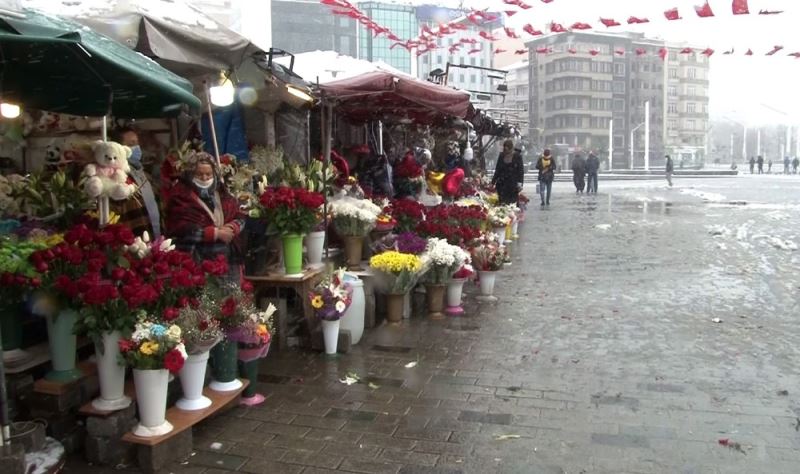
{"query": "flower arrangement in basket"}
{"type": "Point", "coordinates": [487, 254]}
{"type": "Point", "coordinates": [153, 346]}
{"type": "Point", "coordinates": [353, 217]}
{"type": "Point", "coordinates": [500, 216]}
{"type": "Point", "coordinates": [331, 297]}
{"type": "Point", "coordinates": [445, 260]}
{"type": "Point", "coordinates": [291, 210]}
{"type": "Point", "coordinates": [397, 272]}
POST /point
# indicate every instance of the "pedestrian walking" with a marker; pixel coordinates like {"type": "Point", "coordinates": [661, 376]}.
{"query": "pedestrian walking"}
{"type": "Point", "coordinates": [769, 169]}
{"type": "Point", "coordinates": [670, 168]}
{"type": "Point", "coordinates": [592, 167]}
{"type": "Point", "coordinates": [795, 164]}
{"type": "Point", "coordinates": [760, 162]}
{"type": "Point", "coordinates": [547, 173]}
{"type": "Point", "coordinates": [786, 165]}
{"type": "Point", "coordinates": [509, 174]}
{"type": "Point", "coordinates": [752, 164]}
{"type": "Point", "coordinates": [579, 173]}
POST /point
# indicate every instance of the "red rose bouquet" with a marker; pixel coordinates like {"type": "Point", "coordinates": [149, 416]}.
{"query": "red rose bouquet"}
{"type": "Point", "coordinates": [407, 213]}
{"type": "Point", "coordinates": [291, 210]}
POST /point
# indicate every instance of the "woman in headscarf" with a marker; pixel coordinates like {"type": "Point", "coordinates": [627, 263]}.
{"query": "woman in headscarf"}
{"type": "Point", "coordinates": [202, 216]}
{"type": "Point", "coordinates": [509, 175]}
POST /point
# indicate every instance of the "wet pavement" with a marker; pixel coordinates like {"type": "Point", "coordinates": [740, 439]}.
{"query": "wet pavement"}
{"type": "Point", "coordinates": [601, 356]}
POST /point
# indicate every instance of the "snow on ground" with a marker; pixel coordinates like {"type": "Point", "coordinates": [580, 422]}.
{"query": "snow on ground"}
{"type": "Point", "coordinates": [705, 196]}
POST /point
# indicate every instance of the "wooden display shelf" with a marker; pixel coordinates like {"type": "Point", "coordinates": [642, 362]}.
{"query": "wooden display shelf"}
{"type": "Point", "coordinates": [89, 410]}
{"type": "Point", "coordinates": [49, 387]}
{"type": "Point", "coordinates": [40, 354]}
{"type": "Point", "coordinates": [182, 420]}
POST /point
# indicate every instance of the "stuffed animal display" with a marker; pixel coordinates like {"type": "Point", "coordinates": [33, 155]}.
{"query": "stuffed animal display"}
{"type": "Point", "coordinates": [108, 175]}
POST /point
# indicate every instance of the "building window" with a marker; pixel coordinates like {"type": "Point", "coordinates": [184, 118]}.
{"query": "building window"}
{"type": "Point", "coordinates": [461, 78]}
{"type": "Point", "coordinates": [690, 124]}
{"type": "Point", "coordinates": [619, 104]}
{"type": "Point", "coordinates": [472, 61]}
{"type": "Point", "coordinates": [673, 73]}
{"type": "Point", "coordinates": [438, 59]}
{"type": "Point", "coordinates": [673, 91]}
{"type": "Point", "coordinates": [690, 107]}
{"type": "Point", "coordinates": [619, 87]}
{"type": "Point", "coordinates": [619, 69]}
{"type": "Point", "coordinates": [672, 124]}
{"type": "Point", "coordinates": [692, 73]}
{"type": "Point", "coordinates": [672, 108]}
{"type": "Point", "coordinates": [691, 91]}
{"type": "Point", "coordinates": [472, 79]}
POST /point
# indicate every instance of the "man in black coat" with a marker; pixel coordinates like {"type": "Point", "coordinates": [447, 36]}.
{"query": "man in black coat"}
{"type": "Point", "coordinates": [592, 168]}
{"type": "Point", "coordinates": [579, 173]}
{"type": "Point", "coordinates": [669, 168]}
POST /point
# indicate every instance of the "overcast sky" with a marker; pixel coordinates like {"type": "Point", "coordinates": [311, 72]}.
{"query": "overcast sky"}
{"type": "Point", "coordinates": [739, 84]}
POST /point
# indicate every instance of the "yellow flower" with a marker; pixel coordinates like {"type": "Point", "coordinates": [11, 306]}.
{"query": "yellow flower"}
{"type": "Point", "coordinates": [317, 302]}
{"type": "Point", "coordinates": [148, 348]}
{"type": "Point", "coordinates": [395, 262]}
{"type": "Point", "coordinates": [262, 330]}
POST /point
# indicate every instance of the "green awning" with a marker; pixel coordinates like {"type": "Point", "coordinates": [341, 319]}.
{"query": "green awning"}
{"type": "Point", "coordinates": [54, 64]}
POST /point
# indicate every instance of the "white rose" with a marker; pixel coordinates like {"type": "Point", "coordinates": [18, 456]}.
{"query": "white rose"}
{"type": "Point", "coordinates": [340, 306]}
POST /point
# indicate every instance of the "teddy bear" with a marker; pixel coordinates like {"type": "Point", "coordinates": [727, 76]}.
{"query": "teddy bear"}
{"type": "Point", "coordinates": [108, 175]}
{"type": "Point", "coordinates": [47, 122]}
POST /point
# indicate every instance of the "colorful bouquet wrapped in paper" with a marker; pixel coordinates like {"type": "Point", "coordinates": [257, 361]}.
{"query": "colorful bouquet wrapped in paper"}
{"type": "Point", "coordinates": [153, 346]}
{"type": "Point", "coordinates": [397, 272]}
{"type": "Point", "coordinates": [487, 254]}
{"type": "Point", "coordinates": [331, 298]}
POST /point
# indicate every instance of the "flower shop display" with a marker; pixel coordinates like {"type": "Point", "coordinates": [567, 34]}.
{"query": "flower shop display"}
{"type": "Point", "coordinates": [407, 213]}
{"type": "Point", "coordinates": [408, 176]}
{"type": "Point", "coordinates": [153, 352]}
{"type": "Point", "coordinates": [488, 257]}
{"type": "Point", "coordinates": [201, 332]}
{"type": "Point", "coordinates": [292, 212]}
{"type": "Point", "coordinates": [353, 219]}
{"type": "Point", "coordinates": [455, 288]}
{"type": "Point", "coordinates": [444, 259]}
{"type": "Point", "coordinates": [330, 300]}
{"type": "Point", "coordinates": [500, 217]}
{"type": "Point", "coordinates": [396, 273]}
{"type": "Point", "coordinates": [458, 224]}
{"type": "Point", "coordinates": [253, 337]}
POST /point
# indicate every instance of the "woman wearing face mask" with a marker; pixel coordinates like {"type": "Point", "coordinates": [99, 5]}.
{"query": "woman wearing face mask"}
{"type": "Point", "coordinates": [140, 211]}
{"type": "Point", "coordinates": [202, 216]}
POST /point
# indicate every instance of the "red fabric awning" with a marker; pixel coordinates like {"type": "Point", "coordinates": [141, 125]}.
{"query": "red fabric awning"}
{"type": "Point", "coordinates": [381, 95]}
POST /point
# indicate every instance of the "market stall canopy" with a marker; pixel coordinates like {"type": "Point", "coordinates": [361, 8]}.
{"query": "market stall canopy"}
{"type": "Point", "coordinates": [329, 66]}
{"type": "Point", "coordinates": [177, 35]}
{"type": "Point", "coordinates": [381, 95]}
{"type": "Point", "coordinates": [54, 64]}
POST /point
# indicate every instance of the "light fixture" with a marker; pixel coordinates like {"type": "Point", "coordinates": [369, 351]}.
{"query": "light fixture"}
{"type": "Point", "coordinates": [299, 93]}
{"type": "Point", "coordinates": [223, 94]}
{"type": "Point", "coordinates": [9, 111]}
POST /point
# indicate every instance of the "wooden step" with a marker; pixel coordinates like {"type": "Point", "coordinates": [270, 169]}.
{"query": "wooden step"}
{"type": "Point", "coordinates": [182, 420]}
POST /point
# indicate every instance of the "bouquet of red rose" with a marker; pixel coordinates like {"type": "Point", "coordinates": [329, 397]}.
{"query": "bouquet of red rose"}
{"type": "Point", "coordinates": [408, 214]}
{"type": "Point", "coordinates": [291, 210]}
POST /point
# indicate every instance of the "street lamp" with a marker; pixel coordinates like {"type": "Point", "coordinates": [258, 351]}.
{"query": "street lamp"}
{"type": "Point", "coordinates": [632, 132]}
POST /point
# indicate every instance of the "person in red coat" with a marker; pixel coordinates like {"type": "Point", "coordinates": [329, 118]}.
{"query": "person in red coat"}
{"type": "Point", "coordinates": [203, 218]}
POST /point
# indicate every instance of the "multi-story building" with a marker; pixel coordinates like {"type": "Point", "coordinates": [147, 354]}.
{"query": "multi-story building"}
{"type": "Point", "coordinates": [513, 105]}
{"type": "Point", "coordinates": [250, 19]}
{"type": "Point", "coordinates": [588, 81]}
{"type": "Point", "coordinates": [301, 26]}
{"type": "Point", "coordinates": [402, 21]}
{"type": "Point", "coordinates": [467, 78]}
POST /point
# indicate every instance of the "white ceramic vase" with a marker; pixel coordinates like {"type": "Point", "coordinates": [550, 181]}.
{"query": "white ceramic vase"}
{"type": "Point", "coordinates": [111, 374]}
{"type": "Point", "coordinates": [500, 232]}
{"type": "Point", "coordinates": [455, 289]}
{"type": "Point", "coordinates": [330, 331]}
{"type": "Point", "coordinates": [315, 245]}
{"type": "Point", "coordinates": [487, 280]}
{"type": "Point", "coordinates": [151, 398]}
{"type": "Point", "coordinates": [193, 377]}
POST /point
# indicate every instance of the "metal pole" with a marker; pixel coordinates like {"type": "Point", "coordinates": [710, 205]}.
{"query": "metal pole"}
{"type": "Point", "coordinates": [647, 135]}
{"type": "Point", "coordinates": [788, 142]}
{"type": "Point", "coordinates": [744, 144]}
{"type": "Point", "coordinates": [731, 147]}
{"type": "Point", "coordinates": [611, 144]}
{"type": "Point", "coordinates": [211, 125]}
{"type": "Point", "coordinates": [631, 145]}
{"type": "Point", "coordinates": [5, 422]}
{"type": "Point", "coordinates": [380, 137]}
{"type": "Point", "coordinates": [758, 148]}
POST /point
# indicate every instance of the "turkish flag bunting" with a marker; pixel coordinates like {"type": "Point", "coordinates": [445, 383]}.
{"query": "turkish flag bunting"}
{"type": "Point", "coordinates": [524, 6]}
{"type": "Point", "coordinates": [499, 50]}
{"type": "Point", "coordinates": [775, 50]}
{"type": "Point", "coordinates": [531, 30]}
{"type": "Point", "coordinates": [543, 50]}
{"type": "Point", "coordinates": [609, 22]}
{"type": "Point", "coordinates": [581, 26]}
{"type": "Point", "coordinates": [473, 51]}
{"type": "Point", "coordinates": [749, 52]}
{"type": "Point", "coordinates": [662, 53]}
{"type": "Point", "coordinates": [796, 55]}
{"type": "Point", "coordinates": [572, 51]}
{"type": "Point", "coordinates": [708, 52]}
{"type": "Point", "coordinates": [740, 7]}
{"type": "Point", "coordinates": [770, 12]}
{"type": "Point", "coordinates": [546, 1]}
{"type": "Point", "coordinates": [487, 36]}
{"type": "Point", "coordinates": [510, 33]}
{"type": "Point", "coordinates": [619, 52]}
{"type": "Point", "coordinates": [454, 48]}
{"type": "Point", "coordinates": [557, 28]}
{"type": "Point", "coordinates": [687, 51]}
{"type": "Point", "coordinates": [521, 52]}
{"type": "Point", "coordinates": [427, 30]}
{"type": "Point", "coordinates": [636, 21]}
{"type": "Point", "coordinates": [511, 13]}
{"type": "Point", "coordinates": [730, 51]}
{"type": "Point", "coordinates": [672, 14]}
{"type": "Point", "coordinates": [704, 11]}
{"type": "Point", "coordinates": [594, 52]}
{"type": "Point", "coordinates": [641, 51]}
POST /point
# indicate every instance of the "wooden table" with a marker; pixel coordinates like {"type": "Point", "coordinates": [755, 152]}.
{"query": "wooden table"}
{"type": "Point", "coordinates": [301, 284]}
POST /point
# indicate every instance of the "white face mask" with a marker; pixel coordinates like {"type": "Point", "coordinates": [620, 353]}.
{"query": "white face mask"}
{"type": "Point", "coordinates": [203, 184]}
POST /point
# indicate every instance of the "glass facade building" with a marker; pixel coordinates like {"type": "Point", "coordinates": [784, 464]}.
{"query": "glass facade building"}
{"type": "Point", "coordinates": [402, 20]}
{"type": "Point", "coordinates": [301, 26]}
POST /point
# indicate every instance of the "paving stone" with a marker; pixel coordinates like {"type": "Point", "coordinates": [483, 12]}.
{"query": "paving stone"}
{"type": "Point", "coordinates": [261, 466]}
{"type": "Point", "coordinates": [408, 457]}
{"type": "Point", "coordinates": [370, 467]}
{"type": "Point", "coordinates": [254, 449]}
{"type": "Point", "coordinates": [350, 450]}
{"type": "Point", "coordinates": [369, 427]}
{"type": "Point", "coordinates": [313, 460]}
{"type": "Point", "coordinates": [317, 422]}
{"type": "Point", "coordinates": [218, 460]}
{"type": "Point", "coordinates": [479, 417]}
{"type": "Point", "coordinates": [423, 435]}
{"type": "Point", "coordinates": [386, 441]}
{"type": "Point", "coordinates": [350, 415]}
{"type": "Point", "coordinates": [627, 441]}
{"type": "Point", "coordinates": [328, 435]}
{"type": "Point", "coordinates": [295, 443]}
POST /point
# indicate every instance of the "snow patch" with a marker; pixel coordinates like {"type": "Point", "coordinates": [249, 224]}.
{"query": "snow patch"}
{"type": "Point", "coordinates": [707, 197]}
{"type": "Point", "coordinates": [718, 230]}
{"type": "Point", "coordinates": [603, 227]}
{"type": "Point", "coordinates": [777, 242]}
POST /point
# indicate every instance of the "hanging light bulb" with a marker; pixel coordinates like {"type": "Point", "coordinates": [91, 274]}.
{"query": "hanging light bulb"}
{"type": "Point", "coordinates": [9, 111]}
{"type": "Point", "coordinates": [223, 94]}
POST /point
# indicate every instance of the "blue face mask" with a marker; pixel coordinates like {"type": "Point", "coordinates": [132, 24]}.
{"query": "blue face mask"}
{"type": "Point", "coordinates": [136, 155]}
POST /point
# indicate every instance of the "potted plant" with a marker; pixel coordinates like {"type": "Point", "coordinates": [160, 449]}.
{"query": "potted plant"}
{"type": "Point", "coordinates": [330, 299]}
{"type": "Point", "coordinates": [444, 259]}
{"type": "Point", "coordinates": [353, 219]}
{"type": "Point", "coordinates": [488, 257]}
{"type": "Point", "coordinates": [153, 352]}
{"type": "Point", "coordinates": [455, 288]}
{"type": "Point", "coordinates": [292, 212]}
{"type": "Point", "coordinates": [396, 273]}
{"type": "Point", "coordinates": [201, 332]}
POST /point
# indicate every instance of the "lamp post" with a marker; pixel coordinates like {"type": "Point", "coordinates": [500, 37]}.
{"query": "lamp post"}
{"type": "Point", "coordinates": [632, 135]}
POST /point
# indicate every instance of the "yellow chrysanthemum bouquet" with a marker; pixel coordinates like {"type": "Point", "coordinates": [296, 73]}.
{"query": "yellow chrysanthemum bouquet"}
{"type": "Point", "coordinates": [397, 272]}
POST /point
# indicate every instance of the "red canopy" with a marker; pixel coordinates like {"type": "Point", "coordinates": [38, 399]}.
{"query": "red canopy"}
{"type": "Point", "coordinates": [381, 95]}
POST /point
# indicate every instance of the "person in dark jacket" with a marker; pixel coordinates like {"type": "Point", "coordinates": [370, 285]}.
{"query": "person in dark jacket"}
{"type": "Point", "coordinates": [752, 164]}
{"type": "Point", "coordinates": [579, 173]}
{"type": "Point", "coordinates": [669, 169]}
{"type": "Point", "coordinates": [592, 168]}
{"type": "Point", "coordinates": [786, 165]}
{"type": "Point", "coordinates": [760, 162]}
{"type": "Point", "coordinates": [795, 164]}
{"type": "Point", "coordinates": [509, 174]}
{"type": "Point", "coordinates": [547, 173]}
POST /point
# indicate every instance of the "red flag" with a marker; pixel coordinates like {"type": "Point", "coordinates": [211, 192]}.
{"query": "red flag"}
{"type": "Point", "coordinates": [487, 36]}
{"type": "Point", "coordinates": [730, 51]}
{"type": "Point", "coordinates": [770, 12]}
{"type": "Point", "coordinates": [662, 53]}
{"type": "Point", "coordinates": [510, 33]}
{"type": "Point", "coordinates": [454, 48]}
{"type": "Point", "coordinates": [740, 7]}
{"type": "Point", "coordinates": [609, 22]}
{"type": "Point", "coordinates": [557, 28]}
{"type": "Point", "coordinates": [641, 51]}
{"type": "Point", "coordinates": [521, 51]}
{"type": "Point", "coordinates": [672, 14]}
{"type": "Point", "coordinates": [499, 50]}
{"type": "Point", "coordinates": [775, 50]}
{"type": "Point", "coordinates": [796, 55]}
{"type": "Point", "coordinates": [708, 52]}
{"type": "Point", "coordinates": [749, 52]}
{"type": "Point", "coordinates": [572, 51]}
{"type": "Point", "coordinates": [473, 51]}
{"type": "Point", "coordinates": [687, 51]}
{"type": "Point", "coordinates": [546, 1]}
{"type": "Point", "coordinates": [636, 21]}
{"type": "Point", "coordinates": [458, 26]}
{"type": "Point", "coordinates": [581, 26]}
{"type": "Point", "coordinates": [427, 30]}
{"type": "Point", "coordinates": [510, 13]}
{"type": "Point", "coordinates": [704, 11]}
{"type": "Point", "coordinates": [543, 50]}
{"type": "Point", "coordinates": [619, 52]}
{"type": "Point", "coordinates": [594, 52]}
{"type": "Point", "coordinates": [524, 6]}
{"type": "Point", "coordinates": [531, 30]}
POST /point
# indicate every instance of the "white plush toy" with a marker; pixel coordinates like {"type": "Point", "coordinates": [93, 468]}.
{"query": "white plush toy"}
{"type": "Point", "coordinates": [108, 176]}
